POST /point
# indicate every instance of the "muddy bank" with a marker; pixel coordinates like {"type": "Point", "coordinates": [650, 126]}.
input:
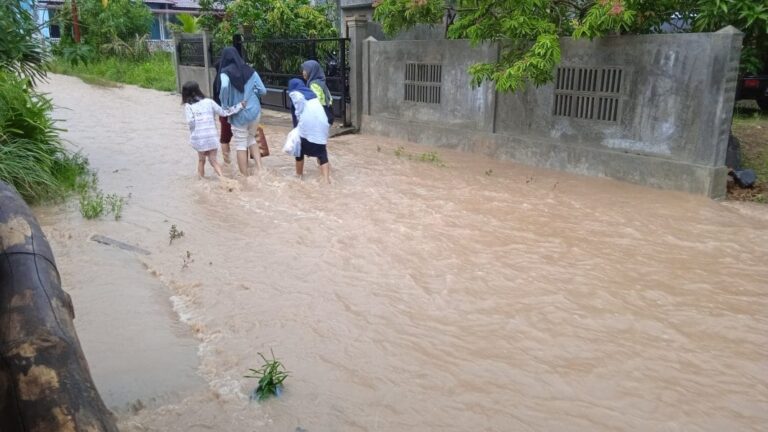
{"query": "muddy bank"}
{"type": "Point", "coordinates": [411, 296]}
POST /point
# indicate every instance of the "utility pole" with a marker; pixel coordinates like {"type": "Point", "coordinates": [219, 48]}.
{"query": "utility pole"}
{"type": "Point", "coordinates": [75, 23]}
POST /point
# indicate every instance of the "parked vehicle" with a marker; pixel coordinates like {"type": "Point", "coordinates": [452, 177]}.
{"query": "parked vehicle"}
{"type": "Point", "coordinates": [754, 87]}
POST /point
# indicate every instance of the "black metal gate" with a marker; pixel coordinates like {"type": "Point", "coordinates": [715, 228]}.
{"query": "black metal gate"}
{"type": "Point", "coordinates": [279, 60]}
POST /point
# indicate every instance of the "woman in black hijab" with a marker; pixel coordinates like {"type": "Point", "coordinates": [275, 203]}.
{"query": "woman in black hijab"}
{"type": "Point", "coordinates": [238, 82]}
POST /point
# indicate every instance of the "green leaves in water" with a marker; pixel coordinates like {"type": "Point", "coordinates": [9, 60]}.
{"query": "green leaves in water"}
{"type": "Point", "coordinates": [271, 376]}
{"type": "Point", "coordinates": [429, 157]}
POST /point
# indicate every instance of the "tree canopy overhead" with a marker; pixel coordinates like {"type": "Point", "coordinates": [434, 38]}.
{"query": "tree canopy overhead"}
{"type": "Point", "coordinates": [529, 30]}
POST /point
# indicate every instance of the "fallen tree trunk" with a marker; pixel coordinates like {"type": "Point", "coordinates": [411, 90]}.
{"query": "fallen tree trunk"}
{"type": "Point", "coordinates": [45, 384]}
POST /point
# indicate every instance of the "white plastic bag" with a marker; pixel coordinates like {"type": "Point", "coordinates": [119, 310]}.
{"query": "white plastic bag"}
{"type": "Point", "coordinates": [291, 141]}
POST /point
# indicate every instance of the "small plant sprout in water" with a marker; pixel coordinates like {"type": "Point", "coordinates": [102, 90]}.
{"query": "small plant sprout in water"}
{"type": "Point", "coordinates": [187, 260]}
{"type": "Point", "coordinates": [489, 172]}
{"type": "Point", "coordinates": [430, 157]}
{"type": "Point", "coordinates": [174, 234]}
{"type": "Point", "coordinates": [271, 376]}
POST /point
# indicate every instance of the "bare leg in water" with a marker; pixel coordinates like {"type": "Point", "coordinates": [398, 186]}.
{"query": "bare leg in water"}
{"type": "Point", "coordinates": [256, 155]}
{"type": "Point", "coordinates": [325, 169]}
{"type": "Point", "coordinates": [300, 168]}
{"type": "Point", "coordinates": [214, 163]}
{"type": "Point", "coordinates": [201, 164]}
{"type": "Point", "coordinates": [225, 152]}
{"type": "Point", "coordinates": [242, 161]}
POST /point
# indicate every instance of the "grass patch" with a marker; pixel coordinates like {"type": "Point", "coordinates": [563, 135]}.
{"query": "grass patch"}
{"type": "Point", "coordinates": [154, 73]}
{"type": "Point", "coordinates": [750, 126]}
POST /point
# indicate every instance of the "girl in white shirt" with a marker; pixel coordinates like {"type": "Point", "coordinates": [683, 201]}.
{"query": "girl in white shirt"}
{"type": "Point", "coordinates": [200, 113]}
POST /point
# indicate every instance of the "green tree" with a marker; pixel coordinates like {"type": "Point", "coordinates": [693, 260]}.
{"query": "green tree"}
{"type": "Point", "coordinates": [278, 19]}
{"type": "Point", "coordinates": [529, 30]}
{"type": "Point", "coordinates": [101, 21]}
{"type": "Point", "coordinates": [749, 16]}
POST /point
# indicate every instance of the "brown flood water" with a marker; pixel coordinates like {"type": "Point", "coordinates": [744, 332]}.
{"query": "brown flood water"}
{"type": "Point", "coordinates": [407, 296]}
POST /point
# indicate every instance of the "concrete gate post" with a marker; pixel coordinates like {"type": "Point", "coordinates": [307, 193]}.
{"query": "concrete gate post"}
{"type": "Point", "coordinates": [176, 40]}
{"type": "Point", "coordinates": [207, 61]}
{"type": "Point", "coordinates": [357, 32]}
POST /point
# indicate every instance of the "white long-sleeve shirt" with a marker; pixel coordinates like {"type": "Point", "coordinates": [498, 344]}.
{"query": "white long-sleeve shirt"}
{"type": "Point", "coordinates": [202, 123]}
{"type": "Point", "coordinates": [313, 122]}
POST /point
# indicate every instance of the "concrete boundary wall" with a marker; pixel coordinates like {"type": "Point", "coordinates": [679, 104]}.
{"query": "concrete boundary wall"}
{"type": "Point", "coordinates": [651, 109]}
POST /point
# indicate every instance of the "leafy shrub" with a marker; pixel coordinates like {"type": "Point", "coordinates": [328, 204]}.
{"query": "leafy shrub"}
{"type": "Point", "coordinates": [135, 49]}
{"type": "Point", "coordinates": [20, 50]}
{"type": "Point", "coordinates": [76, 54]}
{"type": "Point", "coordinates": [188, 24]}
{"type": "Point", "coordinates": [92, 204]}
{"type": "Point", "coordinates": [32, 158]}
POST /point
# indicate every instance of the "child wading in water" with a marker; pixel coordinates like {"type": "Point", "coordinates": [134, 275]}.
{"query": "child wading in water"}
{"type": "Point", "coordinates": [310, 119]}
{"type": "Point", "coordinates": [200, 113]}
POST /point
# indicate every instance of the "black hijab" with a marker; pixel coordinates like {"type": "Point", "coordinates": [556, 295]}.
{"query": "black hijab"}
{"type": "Point", "coordinates": [235, 68]}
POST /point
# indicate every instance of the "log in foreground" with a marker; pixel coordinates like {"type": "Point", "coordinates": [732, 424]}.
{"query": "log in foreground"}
{"type": "Point", "coordinates": [45, 384]}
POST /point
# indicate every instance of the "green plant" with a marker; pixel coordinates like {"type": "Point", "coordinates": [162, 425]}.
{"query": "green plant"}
{"type": "Point", "coordinates": [271, 376]}
{"type": "Point", "coordinates": [92, 204]}
{"type": "Point", "coordinates": [21, 52]}
{"type": "Point", "coordinates": [77, 54]}
{"type": "Point", "coordinates": [32, 157]}
{"type": "Point", "coordinates": [115, 203]}
{"type": "Point", "coordinates": [174, 234]}
{"type": "Point", "coordinates": [137, 50]}
{"type": "Point", "coordinates": [100, 22]}
{"type": "Point", "coordinates": [431, 157]}
{"type": "Point", "coordinates": [188, 24]}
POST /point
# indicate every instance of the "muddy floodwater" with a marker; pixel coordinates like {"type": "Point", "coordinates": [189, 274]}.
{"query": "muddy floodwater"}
{"type": "Point", "coordinates": [480, 295]}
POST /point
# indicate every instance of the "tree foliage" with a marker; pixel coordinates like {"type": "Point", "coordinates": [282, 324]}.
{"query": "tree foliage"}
{"type": "Point", "coordinates": [749, 16]}
{"type": "Point", "coordinates": [187, 24]}
{"type": "Point", "coordinates": [277, 19]}
{"type": "Point", "coordinates": [529, 30]}
{"type": "Point", "coordinates": [101, 22]}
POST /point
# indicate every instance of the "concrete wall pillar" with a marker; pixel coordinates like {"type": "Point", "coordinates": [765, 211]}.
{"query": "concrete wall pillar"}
{"type": "Point", "coordinates": [357, 32]}
{"type": "Point", "coordinates": [207, 61]}
{"type": "Point", "coordinates": [176, 40]}
{"type": "Point", "coordinates": [367, 75]}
